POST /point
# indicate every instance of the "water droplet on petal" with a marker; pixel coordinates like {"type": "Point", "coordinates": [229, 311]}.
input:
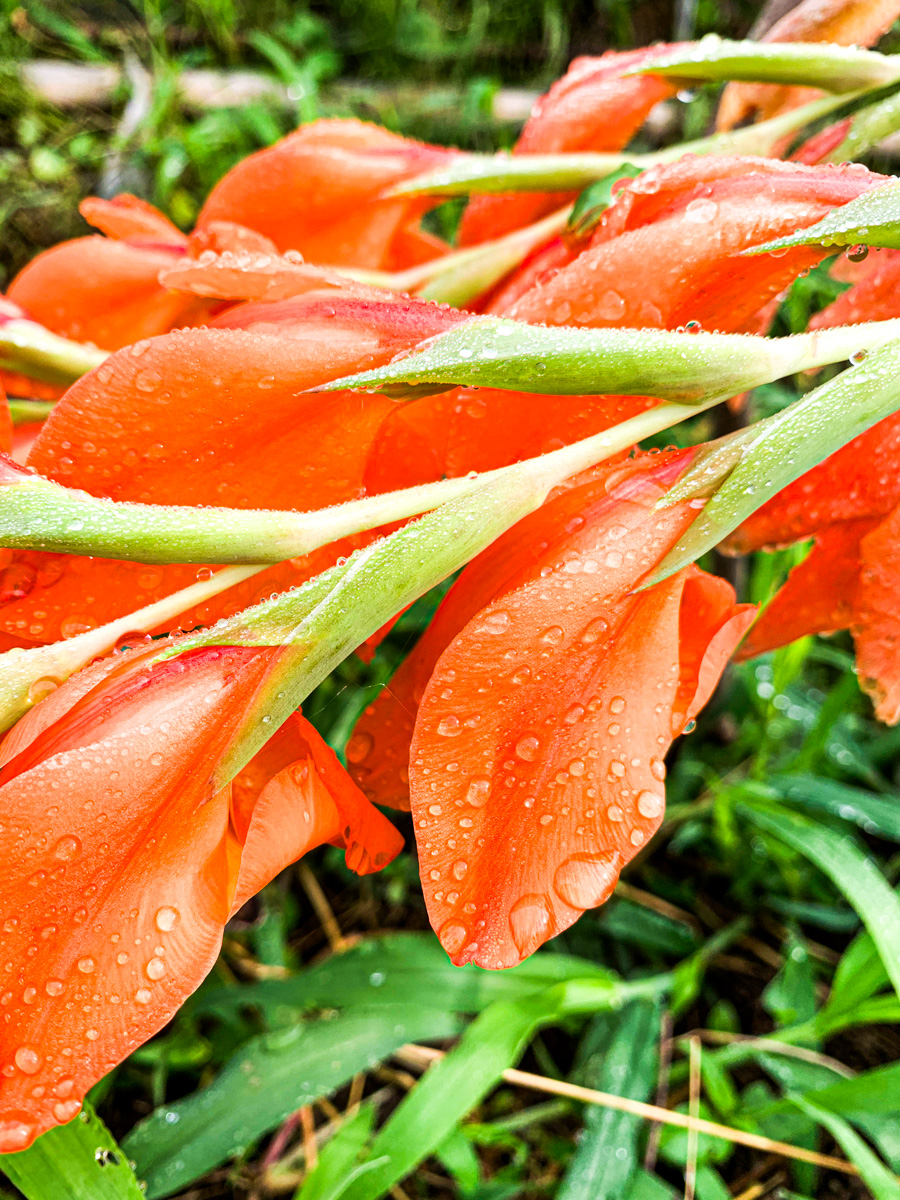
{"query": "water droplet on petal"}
{"type": "Point", "coordinates": [167, 918]}
{"type": "Point", "coordinates": [527, 747]}
{"type": "Point", "coordinates": [449, 726]}
{"type": "Point", "coordinates": [586, 880]}
{"type": "Point", "coordinates": [27, 1060]}
{"type": "Point", "coordinates": [453, 936]}
{"type": "Point", "coordinates": [649, 804]}
{"type": "Point", "coordinates": [529, 922]}
{"type": "Point", "coordinates": [478, 792]}
{"type": "Point", "coordinates": [67, 848]}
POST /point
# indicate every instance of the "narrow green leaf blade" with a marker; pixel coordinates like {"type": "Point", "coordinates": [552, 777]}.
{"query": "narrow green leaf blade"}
{"type": "Point", "coordinates": [876, 814]}
{"type": "Point", "coordinates": [77, 1161]}
{"type": "Point", "coordinates": [758, 462]}
{"type": "Point", "coordinates": [849, 868]}
{"type": "Point", "coordinates": [880, 1181]}
{"type": "Point", "coordinates": [607, 1154]}
{"type": "Point", "coordinates": [337, 1159]}
{"type": "Point", "coordinates": [812, 64]}
{"type": "Point", "coordinates": [271, 1077]}
{"type": "Point", "coordinates": [454, 1085]}
{"type": "Point", "coordinates": [397, 968]}
{"type": "Point", "coordinates": [872, 219]}
{"type": "Point", "coordinates": [688, 368]}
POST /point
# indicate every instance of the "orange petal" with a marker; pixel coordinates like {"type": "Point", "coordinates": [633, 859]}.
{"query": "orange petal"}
{"type": "Point", "coordinates": [875, 297]}
{"type": "Point", "coordinates": [378, 751]}
{"type": "Point", "coordinates": [97, 290]}
{"type": "Point", "coordinates": [295, 795]}
{"type": "Point", "coordinates": [222, 236]}
{"type": "Point", "coordinates": [591, 108]}
{"type": "Point", "coordinates": [818, 596]}
{"type": "Point", "coordinates": [846, 22]}
{"type": "Point", "coordinates": [317, 191]}
{"type": "Point", "coordinates": [126, 216]}
{"type": "Point", "coordinates": [528, 805]}
{"type": "Point", "coordinates": [858, 481]}
{"type": "Point", "coordinates": [113, 909]}
{"type": "Point", "coordinates": [412, 246]}
{"type": "Point", "coordinates": [243, 275]}
{"type": "Point", "coordinates": [668, 250]}
{"type": "Point", "coordinates": [711, 626]}
{"type": "Point", "coordinates": [876, 620]}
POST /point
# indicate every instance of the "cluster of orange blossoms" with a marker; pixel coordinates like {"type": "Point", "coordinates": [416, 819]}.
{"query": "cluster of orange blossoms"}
{"type": "Point", "coordinates": [527, 730]}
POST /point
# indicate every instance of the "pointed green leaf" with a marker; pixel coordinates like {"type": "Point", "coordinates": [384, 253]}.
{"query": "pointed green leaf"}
{"type": "Point", "coordinates": [851, 870]}
{"type": "Point", "coordinates": [872, 219]}
{"type": "Point", "coordinates": [882, 1183]}
{"type": "Point", "coordinates": [77, 1161]}
{"type": "Point", "coordinates": [455, 1084]}
{"type": "Point", "coordinates": [811, 64]}
{"type": "Point", "coordinates": [596, 199]}
{"type": "Point", "coordinates": [626, 1065]}
{"type": "Point", "coordinates": [331, 1175]}
{"type": "Point", "coordinates": [686, 368]}
{"type": "Point", "coordinates": [868, 127]}
{"type": "Point", "coordinates": [758, 462]}
{"type": "Point", "coordinates": [269, 1078]}
{"type": "Point", "coordinates": [874, 813]}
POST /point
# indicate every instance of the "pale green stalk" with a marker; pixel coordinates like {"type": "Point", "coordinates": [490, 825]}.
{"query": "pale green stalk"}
{"type": "Point", "coordinates": [33, 350]}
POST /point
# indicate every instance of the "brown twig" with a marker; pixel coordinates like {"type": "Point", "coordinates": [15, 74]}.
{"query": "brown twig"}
{"type": "Point", "coordinates": [693, 1138]}
{"type": "Point", "coordinates": [308, 1125]}
{"type": "Point", "coordinates": [423, 1056]}
{"type": "Point", "coordinates": [319, 901]}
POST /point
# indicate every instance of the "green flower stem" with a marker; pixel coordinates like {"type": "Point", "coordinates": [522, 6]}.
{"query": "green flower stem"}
{"type": "Point", "coordinates": [571, 172]}
{"type": "Point", "coordinates": [27, 675]}
{"type": "Point", "coordinates": [746, 470]}
{"type": "Point", "coordinates": [810, 64]}
{"type": "Point", "coordinates": [33, 350]}
{"type": "Point", "coordinates": [24, 411]}
{"type": "Point", "coordinates": [872, 219]}
{"type": "Point", "coordinates": [560, 360]}
{"type": "Point", "coordinates": [867, 128]}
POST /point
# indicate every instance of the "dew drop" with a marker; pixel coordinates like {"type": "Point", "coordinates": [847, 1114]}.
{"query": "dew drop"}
{"type": "Point", "coordinates": [527, 747]}
{"type": "Point", "coordinates": [167, 918]}
{"type": "Point", "coordinates": [67, 848]}
{"type": "Point", "coordinates": [449, 726]}
{"type": "Point", "coordinates": [553, 635]}
{"type": "Point", "coordinates": [617, 704]}
{"type": "Point", "coordinates": [27, 1060]}
{"type": "Point", "coordinates": [658, 769]}
{"type": "Point", "coordinates": [586, 880]}
{"type": "Point", "coordinates": [87, 966]}
{"type": "Point", "coordinates": [495, 622]}
{"type": "Point", "coordinates": [453, 936]}
{"type": "Point", "coordinates": [459, 869]}
{"type": "Point", "coordinates": [65, 1110]}
{"type": "Point", "coordinates": [358, 747]}
{"type": "Point", "coordinates": [478, 792]}
{"type": "Point", "coordinates": [143, 996]}
{"type": "Point", "coordinates": [649, 804]}
{"type": "Point", "coordinates": [529, 923]}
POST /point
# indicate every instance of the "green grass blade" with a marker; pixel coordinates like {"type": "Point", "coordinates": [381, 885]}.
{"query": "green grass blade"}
{"type": "Point", "coordinates": [607, 1154]}
{"type": "Point", "coordinates": [873, 813]}
{"type": "Point", "coordinates": [849, 868]}
{"type": "Point", "coordinates": [454, 1085]}
{"type": "Point", "coordinates": [268, 1079]}
{"type": "Point", "coordinates": [77, 1161]}
{"type": "Point", "coordinates": [880, 1181]}
{"type": "Point", "coordinates": [338, 1158]}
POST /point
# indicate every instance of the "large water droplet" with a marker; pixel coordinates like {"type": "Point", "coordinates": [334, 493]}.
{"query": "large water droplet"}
{"type": "Point", "coordinates": [586, 880]}
{"type": "Point", "coordinates": [527, 747]}
{"type": "Point", "coordinates": [449, 726]}
{"type": "Point", "coordinates": [453, 936]}
{"type": "Point", "coordinates": [649, 804]}
{"type": "Point", "coordinates": [67, 848]}
{"type": "Point", "coordinates": [87, 966]}
{"type": "Point", "coordinates": [167, 918]}
{"type": "Point", "coordinates": [478, 792]}
{"type": "Point", "coordinates": [155, 968]}
{"type": "Point", "coordinates": [358, 747]}
{"type": "Point", "coordinates": [495, 622]}
{"type": "Point", "coordinates": [529, 922]}
{"type": "Point", "coordinates": [27, 1060]}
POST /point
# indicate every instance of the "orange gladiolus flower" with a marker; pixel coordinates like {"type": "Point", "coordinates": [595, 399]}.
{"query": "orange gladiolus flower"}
{"type": "Point", "coordinates": [138, 428]}
{"type": "Point", "coordinates": [668, 251]}
{"type": "Point", "coordinates": [591, 108]}
{"type": "Point", "coordinates": [846, 22]}
{"type": "Point", "coordinates": [548, 693]}
{"type": "Point", "coordinates": [317, 191]}
{"type": "Point", "coordinates": [105, 290]}
{"type": "Point", "coordinates": [123, 865]}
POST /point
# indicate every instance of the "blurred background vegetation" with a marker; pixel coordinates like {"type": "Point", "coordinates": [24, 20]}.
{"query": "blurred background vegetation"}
{"type": "Point", "coordinates": [767, 937]}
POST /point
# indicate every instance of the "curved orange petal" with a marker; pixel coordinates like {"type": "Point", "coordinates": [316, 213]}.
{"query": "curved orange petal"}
{"type": "Point", "coordinates": [669, 248]}
{"type": "Point", "coordinates": [126, 216]}
{"type": "Point", "coordinates": [295, 795]}
{"type": "Point", "coordinates": [94, 289]}
{"type": "Point", "coordinates": [378, 751]}
{"type": "Point", "coordinates": [875, 297]}
{"type": "Point", "coordinates": [220, 237]}
{"type": "Point", "coordinates": [590, 108]}
{"type": "Point", "coordinates": [858, 481]}
{"type": "Point", "coordinates": [114, 910]}
{"type": "Point", "coordinates": [876, 619]}
{"type": "Point", "coordinates": [819, 595]}
{"type": "Point", "coordinates": [711, 626]}
{"type": "Point", "coordinates": [317, 191]}
{"type": "Point", "coordinates": [847, 22]}
{"type": "Point", "coordinates": [528, 803]}
{"type": "Point", "coordinates": [412, 246]}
